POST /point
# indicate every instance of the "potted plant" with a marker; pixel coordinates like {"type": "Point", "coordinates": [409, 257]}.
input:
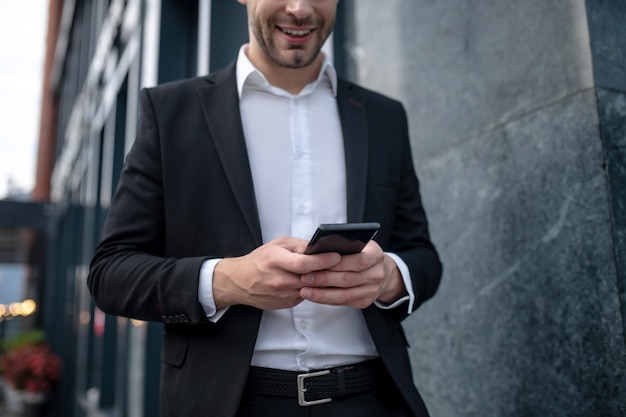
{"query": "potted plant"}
{"type": "Point", "coordinates": [30, 369]}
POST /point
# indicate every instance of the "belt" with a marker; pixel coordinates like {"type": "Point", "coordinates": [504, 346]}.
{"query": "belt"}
{"type": "Point", "coordinates": [315, 387]}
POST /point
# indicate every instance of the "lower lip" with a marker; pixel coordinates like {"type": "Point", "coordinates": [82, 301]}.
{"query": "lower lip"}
{"type": "Point", "coordinates": [296, 40]}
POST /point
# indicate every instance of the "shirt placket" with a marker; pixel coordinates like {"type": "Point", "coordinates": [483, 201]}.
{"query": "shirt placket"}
{"type": "Point", "coordinates": [301, 209]}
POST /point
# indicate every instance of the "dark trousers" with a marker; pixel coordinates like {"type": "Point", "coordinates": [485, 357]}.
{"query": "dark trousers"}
{"type": "Point", "coordinates": [383, 400]}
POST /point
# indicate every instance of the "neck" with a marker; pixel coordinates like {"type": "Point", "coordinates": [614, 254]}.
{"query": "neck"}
{"type": "Point", "coordinates": [292, 80]}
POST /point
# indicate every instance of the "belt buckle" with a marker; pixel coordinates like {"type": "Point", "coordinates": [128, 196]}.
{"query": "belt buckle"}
{"type": "Point", "coordinates": [302, 389]}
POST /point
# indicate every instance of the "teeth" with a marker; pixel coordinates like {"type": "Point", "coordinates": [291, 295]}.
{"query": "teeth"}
{"type": "Point", "coordinates": [297, 32]}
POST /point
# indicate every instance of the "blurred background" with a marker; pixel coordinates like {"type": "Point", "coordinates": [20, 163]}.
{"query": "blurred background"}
{"type": "Point", "coordinates": [517, 114]}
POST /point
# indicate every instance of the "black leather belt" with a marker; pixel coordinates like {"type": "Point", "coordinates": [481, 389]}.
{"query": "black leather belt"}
{"type": "Point", "coordinates": [315, 387]}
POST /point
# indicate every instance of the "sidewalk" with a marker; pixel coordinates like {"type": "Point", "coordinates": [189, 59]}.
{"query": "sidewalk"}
{"type": "Point", "coordinates": [6, 413]}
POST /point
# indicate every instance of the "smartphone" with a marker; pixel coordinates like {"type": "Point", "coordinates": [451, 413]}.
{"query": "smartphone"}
{"type": "Point", "coordinates": [344, 238]}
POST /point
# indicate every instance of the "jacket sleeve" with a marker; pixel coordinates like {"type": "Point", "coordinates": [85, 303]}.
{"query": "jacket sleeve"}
{"type": "Point", "coordinates": [411, 237]}
{"type": "Point", "coordinates": [129, 274]}
{"type": "Point", "coordinates": [407, 234]}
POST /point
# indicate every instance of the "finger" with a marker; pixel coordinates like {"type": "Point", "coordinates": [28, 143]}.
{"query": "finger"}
{"type": "Point", "coordinates": [345, 279]}
{"type": "Point", "coordinates": [292, 244]}
{"type": "Point", "coordinates": [304, 264]}
{"type": "Point", "coordinates": [336, 279]}
{"type": "Point", "coordinates": [371, 255]}
{"type": "Point", "coordinates": [357, 297]}
{"type": "Point", "coordinates": [354, 263]}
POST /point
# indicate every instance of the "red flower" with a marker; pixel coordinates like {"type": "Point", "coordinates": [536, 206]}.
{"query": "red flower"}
{"type": "Point", "coordinates": [33, 368]}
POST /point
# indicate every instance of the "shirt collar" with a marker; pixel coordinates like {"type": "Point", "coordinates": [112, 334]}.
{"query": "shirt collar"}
{"type": "Point", "coordinates": [247, 73]}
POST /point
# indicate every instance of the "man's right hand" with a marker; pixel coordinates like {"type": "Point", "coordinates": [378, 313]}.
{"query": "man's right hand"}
{"type": "Point", "coordinates": [269, 277]}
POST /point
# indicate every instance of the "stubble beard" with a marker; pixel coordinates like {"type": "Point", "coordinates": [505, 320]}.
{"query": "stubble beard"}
{"type": "Point", "coordinates": [301, 58]}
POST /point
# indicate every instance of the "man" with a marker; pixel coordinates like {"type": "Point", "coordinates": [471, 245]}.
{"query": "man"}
{"type": "Point", "coordinates": [228, 178]}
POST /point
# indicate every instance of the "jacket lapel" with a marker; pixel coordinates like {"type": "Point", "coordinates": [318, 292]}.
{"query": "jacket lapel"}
{"type": "Point", "coordinates": [220, 105]}
{"type": "Point", "coordinates": [352, 111]}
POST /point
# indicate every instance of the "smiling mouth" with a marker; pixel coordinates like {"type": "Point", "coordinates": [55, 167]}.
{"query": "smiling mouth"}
{"type": "Point", "coordinates": [296, 33]}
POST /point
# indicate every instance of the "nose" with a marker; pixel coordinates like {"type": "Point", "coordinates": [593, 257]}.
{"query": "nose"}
{"type": "Point", "coordinates": [299, 8]}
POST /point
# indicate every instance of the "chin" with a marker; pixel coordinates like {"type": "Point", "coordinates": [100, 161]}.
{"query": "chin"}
{"type": "Point", "coordinates": [299, 59]}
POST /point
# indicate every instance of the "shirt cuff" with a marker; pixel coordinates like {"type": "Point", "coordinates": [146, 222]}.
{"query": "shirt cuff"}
{"type": "Point", "coordinates": [406, 278]}
{"type": "Point", "coordinates": [205, 291]}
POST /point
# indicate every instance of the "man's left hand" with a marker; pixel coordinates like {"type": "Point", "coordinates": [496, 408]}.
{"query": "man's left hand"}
{"type": "Point", "coordinates": [356, 281]}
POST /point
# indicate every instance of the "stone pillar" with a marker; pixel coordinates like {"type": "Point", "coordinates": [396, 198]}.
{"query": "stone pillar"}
{"type": "Point", "coordinates": [517, 113]}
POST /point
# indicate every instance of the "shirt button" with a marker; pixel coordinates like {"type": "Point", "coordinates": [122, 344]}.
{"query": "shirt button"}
{"type": "Point", "coordinates": [302, 210]}
{"type": "Point", "coordinates": [304, 325]}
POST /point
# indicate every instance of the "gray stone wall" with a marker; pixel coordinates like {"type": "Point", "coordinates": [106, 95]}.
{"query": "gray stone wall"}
{"type": "Point", "coordinates": [517, 113]}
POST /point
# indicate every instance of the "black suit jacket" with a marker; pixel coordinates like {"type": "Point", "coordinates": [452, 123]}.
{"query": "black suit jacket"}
{"type": "Point", "coordinates": [186, 195]}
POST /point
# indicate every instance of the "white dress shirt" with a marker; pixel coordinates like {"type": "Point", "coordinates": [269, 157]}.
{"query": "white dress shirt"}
{"type": "Point", "coordinates": [296, 152]}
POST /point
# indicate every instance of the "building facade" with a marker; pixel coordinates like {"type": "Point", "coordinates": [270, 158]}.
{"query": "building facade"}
{"type": "Point", "coordinates": [104, 52]}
